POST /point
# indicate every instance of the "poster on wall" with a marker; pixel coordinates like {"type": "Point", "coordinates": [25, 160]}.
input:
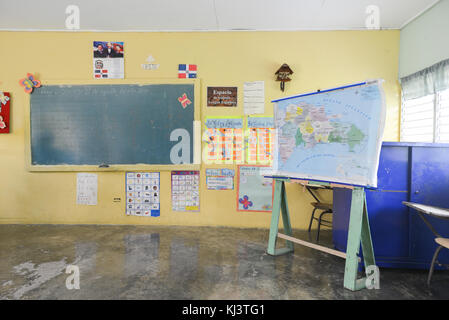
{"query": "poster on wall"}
{"type": "Point", "coordinates": [185, 191]}
{"type": "Point", "coordinates": [108, 60]}
{"type": "Point", "coordinates": [254, 192]}
{"type": "Point", "coordinates": [220, 179]}
{"type": "Point", "coordinates": [224, 138]}
{"type": "Point", "coordinates": [5, 98]}
{"type": "Point", "coordinates": [222, 96]}
{"type": "Point", "coordinates": [86, 188]}
{"type": "Point", "coordinates": [143, 194]}
{"type": "Point", "coordinates": [260, 140]}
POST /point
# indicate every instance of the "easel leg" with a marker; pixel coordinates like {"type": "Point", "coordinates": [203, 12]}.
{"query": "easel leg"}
{"type": "Point", "coordinates": [354, 236]}
{"type": "Point", "coordinates": [286, 217]}
{"type": "Point", "coordinates": [279, 203]}
{"type": "Point", "coordinates": [367, 244]}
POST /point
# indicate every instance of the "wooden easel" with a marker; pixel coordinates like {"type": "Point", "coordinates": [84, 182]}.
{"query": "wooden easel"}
{"type": "Point", "coordinates": [359, 231]}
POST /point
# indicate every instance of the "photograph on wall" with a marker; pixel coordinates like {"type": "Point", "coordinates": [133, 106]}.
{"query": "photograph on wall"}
{"type": "Point", "coordinates": [254, 191]}
{"type": "Point", "coordinates": [143, 194]}
{"type": "Point", "coordinates": [108, 60]}
{"type": "Point", "coordinates": [220, 179]}
{"type": "Point", "coordinates": [222, 96]}
{"type": "Point", "coordinates": [185, 191]}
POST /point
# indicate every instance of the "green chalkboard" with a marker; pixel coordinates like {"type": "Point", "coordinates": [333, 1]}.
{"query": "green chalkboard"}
{"type": "Point", "coordinates": [111, 124]}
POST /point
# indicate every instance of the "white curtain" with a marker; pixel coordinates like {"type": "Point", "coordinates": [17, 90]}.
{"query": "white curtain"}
{"type": "Point", "coordinates": [427, 81]}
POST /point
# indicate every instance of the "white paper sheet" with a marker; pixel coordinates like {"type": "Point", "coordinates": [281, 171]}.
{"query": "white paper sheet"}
{"type": "Point", "coordinates": [86, 188]}
{"type": "Point", "coordinates": [254, 97]}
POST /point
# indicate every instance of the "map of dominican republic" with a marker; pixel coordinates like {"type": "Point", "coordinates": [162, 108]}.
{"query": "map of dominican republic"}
{"type": "Point", "coordinates": [331, 136]}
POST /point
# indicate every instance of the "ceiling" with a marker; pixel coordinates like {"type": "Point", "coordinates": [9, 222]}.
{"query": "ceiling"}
{"type": "Point", "coordinates": [208, 15]}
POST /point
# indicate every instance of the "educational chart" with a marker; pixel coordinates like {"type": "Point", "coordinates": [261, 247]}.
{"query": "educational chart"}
{"type": "Point", "coordinates": [334, 135]}
{"type": "Point", "coordinates": [143, 194]}
{"type": "Point", "coordinates": [224, 138]}
{"type": "Point", "coordinates": [260, 140]}
{"type": "Point", "coordinates": [86, 188]}
{"type": "Point", "coordinates": [255, 193]}
{"type": "Point", "coordinates": [185, 190]}
{"type": "Point", "coordinates": [220, 179]}
{"type": "Point", "coordinates": [108, 60]}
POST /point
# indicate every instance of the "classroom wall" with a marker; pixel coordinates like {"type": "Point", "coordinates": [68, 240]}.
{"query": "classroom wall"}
{"type": "Point", "coordinates": [423, 42]}
{"type": "Point", "coordinates": [319, 60]}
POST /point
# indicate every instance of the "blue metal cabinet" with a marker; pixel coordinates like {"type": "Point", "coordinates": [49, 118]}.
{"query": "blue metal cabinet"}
{"type": "Point", "coordinates": [413, 172]}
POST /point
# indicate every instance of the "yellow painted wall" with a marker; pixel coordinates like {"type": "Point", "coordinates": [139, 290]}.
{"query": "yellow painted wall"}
{"type": "Point", "coordinates": [319, 59]}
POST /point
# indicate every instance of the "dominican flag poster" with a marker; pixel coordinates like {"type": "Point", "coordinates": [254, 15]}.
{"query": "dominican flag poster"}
{"type": "Point", "coordinates": [187, 71]}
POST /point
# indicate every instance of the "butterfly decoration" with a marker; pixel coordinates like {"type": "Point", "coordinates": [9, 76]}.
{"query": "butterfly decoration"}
{"type": "Point", "coordinates": [29, 83]}
{"type": "Point", "coordinates": [245, 202]}
{"type": "Point", "coordinates": [2, 123]}
{"type": "Point", "coordinates": [184, 100]}
{"type": "Point", "coordinates": [3, 98]}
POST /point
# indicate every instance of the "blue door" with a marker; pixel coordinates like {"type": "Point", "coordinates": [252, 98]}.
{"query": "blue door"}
{"type": "Point", "coordinates": [429, 185]}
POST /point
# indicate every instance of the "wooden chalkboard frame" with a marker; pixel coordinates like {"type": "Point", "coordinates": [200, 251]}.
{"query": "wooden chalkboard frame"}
{"type": "Point", "coordinates": [119, 167]}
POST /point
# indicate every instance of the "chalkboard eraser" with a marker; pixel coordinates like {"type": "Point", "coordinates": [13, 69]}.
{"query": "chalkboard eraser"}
{"type": "Point", "coordinates": [103, 165]}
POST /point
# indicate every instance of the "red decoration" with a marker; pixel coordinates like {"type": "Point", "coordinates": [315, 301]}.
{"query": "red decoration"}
{"type": "Point", "coordinates": [4, 113]}
{"type": "Point", "coordinates": [184, 100]}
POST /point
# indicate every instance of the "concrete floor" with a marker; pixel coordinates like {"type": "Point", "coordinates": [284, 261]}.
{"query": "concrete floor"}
{"type": "Point", "coordinates": [146, 262]}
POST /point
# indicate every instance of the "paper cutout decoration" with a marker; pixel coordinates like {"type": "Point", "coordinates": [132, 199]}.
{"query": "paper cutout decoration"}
{"type": "Point", "coordinates": [150, 65]}
{"type": "Point", "coordinates": [3, 99]}
{"type": "Point", "coordinates": [4, 111]}
{"type": "Point", "coordinates": [184, 100]}
{"type": "Point", "coordinates": [187, 71]}
{"type": "Point", "coordinates": [2, 123]}
{"type": "Point", "coordinates": [29, 83]}
{"type": "Point", "coordinates": [245, 202]}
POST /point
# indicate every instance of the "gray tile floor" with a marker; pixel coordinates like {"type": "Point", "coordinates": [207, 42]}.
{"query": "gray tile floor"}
{"type": "Point", "coordinates": [148, 262]}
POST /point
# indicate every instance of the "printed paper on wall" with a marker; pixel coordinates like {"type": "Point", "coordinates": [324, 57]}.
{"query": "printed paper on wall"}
{"type": "Point", "coordinates": [86, 188]}
{"type": "Point", "coordinates": [185, 191]}
{"type": "Point", "coordinates": [108, 60]}
{"type": "Point", "coordinates": [220, 179]}
{"type": "Point", "coordinates": [143, 194]}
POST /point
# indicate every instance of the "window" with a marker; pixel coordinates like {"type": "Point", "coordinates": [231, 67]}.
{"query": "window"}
{"type": "Point", "coordinates": [442, 127]}
{"type": "Point", "coordinates": [426, 119]}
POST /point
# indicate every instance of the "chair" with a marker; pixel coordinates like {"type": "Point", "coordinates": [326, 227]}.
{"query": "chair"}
{"type": "Point", "coordinates": [326, 209]}
{"type": "Point", "coordinates": [438, 213]}
{"type": "Point", "coordinates": [443, 242]}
